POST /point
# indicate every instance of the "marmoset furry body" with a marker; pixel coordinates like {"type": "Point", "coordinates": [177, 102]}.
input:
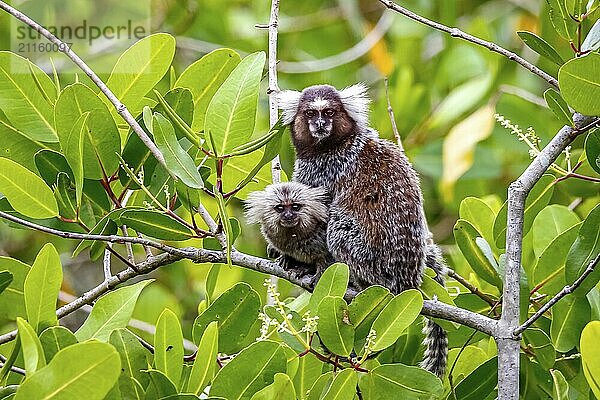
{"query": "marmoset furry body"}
{"type": "Point", "coordinates": [376, 220]}
{"type": "Point", "coordinates": [293, 219]}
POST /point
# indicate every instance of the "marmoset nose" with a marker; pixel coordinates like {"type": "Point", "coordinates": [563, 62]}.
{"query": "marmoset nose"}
{"type": "Point", "coordinates": [320, 123]}
{"type": "Point", "coordinates": [287, 215]}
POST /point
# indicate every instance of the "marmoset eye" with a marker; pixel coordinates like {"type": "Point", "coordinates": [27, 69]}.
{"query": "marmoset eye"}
{"type": "Point", "coordinates": [296, 207]}
{"type": "Point", "coordinates": [329, 112]}
{"type": "Point", "coordinates": [310, 113]}
{"type": "Point", "coordinates": [279, 208]}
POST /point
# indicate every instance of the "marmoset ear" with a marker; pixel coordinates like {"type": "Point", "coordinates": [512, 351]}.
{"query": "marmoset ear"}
{"type": "Point", "coordinates": [356, 103]}
{"type": "Point", "coordinates": [288, 101]}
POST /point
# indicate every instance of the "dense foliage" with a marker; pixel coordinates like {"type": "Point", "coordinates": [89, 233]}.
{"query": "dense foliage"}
{"type": "Point", "coordinates": [68, 161]}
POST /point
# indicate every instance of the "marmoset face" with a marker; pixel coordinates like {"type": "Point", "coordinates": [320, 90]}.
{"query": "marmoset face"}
{"type": "Point", "coordinates": [320, 107]}
{"type": "Point", "coordinates": [288, 213]}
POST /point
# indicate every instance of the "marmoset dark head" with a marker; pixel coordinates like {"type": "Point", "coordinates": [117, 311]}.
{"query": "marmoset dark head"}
{"type": "Point", "coordinates": [287, 205]}
{"type": "Point", "coordinates": [322, 116]}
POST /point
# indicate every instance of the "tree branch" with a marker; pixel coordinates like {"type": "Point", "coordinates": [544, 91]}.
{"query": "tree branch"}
{"type": "Point", "coordinates": [565, 291]}
{"type": "Point", "coordinates": [455, 32]}
{"type": "Point", "coordinates": [273, 86]}
{"type": "Point", "coordinates": [391, 113]}
{"type": "Point", "coordinates": [120, 107]}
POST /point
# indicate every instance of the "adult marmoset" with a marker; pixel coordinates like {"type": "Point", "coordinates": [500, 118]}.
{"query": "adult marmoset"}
{"type": "Point", "coordinates": [376, 220]}
{"type": "Point", "coordinates": [293, 219]}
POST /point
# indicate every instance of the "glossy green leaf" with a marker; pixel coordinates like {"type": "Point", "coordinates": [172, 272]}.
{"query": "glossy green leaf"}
{"type": "Point", "coordinates": [106, 226]}
{"type": "Point", "coordinates": [204, 77]}
{"type": "Point", "coordinates": [160, 387]}
{"type": "Point", "coordinates": [592, 40]}
{"type": "Point", "coordinates": [479, 383]}
{"type": "Point", "coordinates": [561, 19]}
{"type": "Point", "coordinates": [585, 248]}
{"type": "Point", "coordinates": [177, 160]}
{"type": "Point", "coordinates": [21, 100]}
{"type": "Point", "coordinates": [205, 362]}
{"type": "Point", "coordinates": [343, 386]}
{"type": "Point", "coordinates": [551, 222]}
{"type": "Point", "coordinates": [309, 370]}
{"type": "Point", "coordinates": [540, 46]}
{"type": "Point", "coordinates": [140, 68]}
{"type": "Point", "coordinates": [251, 370]}
{"type": "Point", "coordinates": [26, 192]}
{"type": "Point", "coordinates": [17, 146]}
{"type": "Point", "coordinates": [85, 370]}
{"type": "Point", "coordinates": [363, 310]}
{"type": "Point", "coordinates": [50, 164]}
{"type": "Point", "coordinates": [226, 223]}
{"type": "Point", "coordinates": [182, 104]}
{"type": "Point", "coordinates": [560, 386]}
{"type": "Point", "coordinates": [111, 311]}
{"type": "Point", "coordinates": [282, 388]}
{"type": "Point", "coordinates": [12, 300]}
{"type": "Point", "coordinates": [540, 343]}
{"type": "Point", "coordinates": [133, 361]}
{"type": "Point", "coordinates": [480, 260]}
{"type": "Point", "coordinates": [592, 150]}
{"type": "Point", "coordinates": [92, 146]}
{"type": "Point", "coordinates": [320, 386]}
{"type": "Point", "coordinates": [168, 346]}
{"type": "Point", "coordinates": [231, 114]}
{"type": "Point", "coordinates": [397, 315]}
{"type": "Point", "coordinates": [33, 354]}
{"type": "Point", "coordinates": [559, 106]}
{"type": "Point", "coordinates": [156, 224]}
{"type": "Point", "coordinates": [54, 339]}
{"type": "Point", "coordinates": [398, 381]}
{"type": "Point", "coordinates": [479, 214]}
{"type": "Point", "coordinates": [590, 355]}
{"type": "Point", "coordinates": [579, 81]}
{"type": "Point", "coordinates": [569, 316]}
{"type": "Point", "coordinates": [41, 288]}
{"type": "Point", "coordinates": [333, 282]}
{"type": "Point", "coordinates": [335, 329]}
{"type": "Point", "coordinates": [236, 310]}
{"type": "Point", "coordinates": [6, 279]}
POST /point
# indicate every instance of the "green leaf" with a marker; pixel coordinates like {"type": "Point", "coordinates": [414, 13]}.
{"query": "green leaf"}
{"type": "Point", "coordinates": [537, 340]}
{"type": "Point", "coordinates": [160, 387]}
{"type": "Point", "coordinates": [168, 346]}
{"type": "Point", "coordinates": [111, 311]}
{"type": "Point", "coordinates": [251, 370]}
{"type": "Point", "coordinates": [559, 106]}
{"type": "Point", "coordinates": [592, 40]}
{"type": "Point", "coordinates": [333, 282]}
{"type": "Point", "coordinates": [363, 310]}
{"type": "Point", "coordinates": [592, 150]}
{"type": "Point", "coordinates": [551, 222]}
{"type": "Point", "coordinates": [236, 310]}
{"type": "Point", "coordinates": [561, 20]}
{"type": "Point", "coordinates": [474, 249]}
{"type": "Point", "coordinates": [282, 388]}
{"type": "Point", "coordinates": [155, 224]}
{"type": "Point", "coordinates": [231, 114]}
{"type": "Point", "coordinates": [569, 316]}
{"type": "Point", "coordinates": [479, 383]}
{"type": "Point", "coordinates": [54, 339]}
{"type": "Point", "coordinates": [85, 370]}
{"type": "Point", "coordinates": [343, 386]}
{"type": "Point", "coordinates": [140, 68]}
{"type": "Point", "coordinates": [33, 354]}
{"type": "Point", "coordinates": [50, 164]}
{"type": "Point", "coordinates": [10, 361]}
{"type": "Point", "coordinates": [106, 226]}
{"type": "Point", "coordinates": [41, 288]}
{"type": "Point", "coordinates": [133, 361]}
{"type": "Point", "coordinates": [204, 77]}
{"type": "Point", "coordinates": [579, 81]}
{"type": "Point", "coordinates": [178, 161]}
{"type": "Point", "coordinates": [397, 381]}
{"type": "Point", "coordinates": [590, 355]}
{"type": "Point", "coordinates": [205, 363]}
{"type": "Point", "coordinates": [479, 214]}
{"type": "Point", "coordinates": [583, 251]}
{"type": "Point", "coordinates": [12, 300]}
{"type": "Point", "coordinates": [560, 386]}
{"type": "Point", "coordinates": [92, 146]}
{"type": "Point", "coordinates": [17, 146]}
{"type": "Point", "coordinates": [26, 192]}
{"type": "Point", "coordinates": [335, 329]}
{"type": "Point", "coordinates": [226, 224]}
{"type": "Point", "coordinates": [21, 100]}
{"type": "Point", "coordinates": [320, 386]}
{"type": "Point", "coordinates": [309, 370]}
{"type": "Point", "coordinates": [540, 46]}
{"type": "Point", "coordinates": [6, 279]}
{"type": "Point", "coordinates": [397, 315]}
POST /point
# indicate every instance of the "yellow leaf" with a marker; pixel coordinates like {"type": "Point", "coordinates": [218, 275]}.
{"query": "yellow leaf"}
{"type": "Point", "coordinates": [380, 56]}
{"type": "Point", "coordinates": [459, 146]}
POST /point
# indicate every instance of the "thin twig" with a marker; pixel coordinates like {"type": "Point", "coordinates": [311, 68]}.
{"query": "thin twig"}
{"type": "Point", "coordinates": [120, 107]}
{"type": "Point", "coordinates": [106, 262]}
{"type": "Point", "coordinates": [14, 369]}
{"type": "Point", "coordinates": [391, 113]}
{"type": "Point", "coordinates": [472, 288]}
{"type": "Point", "coordinates": [455, 32]}
{"type": "Point", "coordinates": [565, 291]}
{"type": "Point", "coordinates": [273, 87]}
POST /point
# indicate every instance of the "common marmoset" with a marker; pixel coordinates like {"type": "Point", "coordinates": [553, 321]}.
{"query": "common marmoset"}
{"type": "Point", "coordinates": [293, 219]}
{"type": "Point", "coordinates": [376, 219]}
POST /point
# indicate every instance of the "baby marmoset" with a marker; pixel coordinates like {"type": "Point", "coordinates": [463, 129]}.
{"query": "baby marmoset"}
{"type": "Point", "coordinates": [293, 219]}
{"type": "Point", "coordinates": [376, 221]}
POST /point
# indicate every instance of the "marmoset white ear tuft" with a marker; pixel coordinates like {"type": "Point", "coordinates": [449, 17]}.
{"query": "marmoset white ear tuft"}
{"type": "Point", "coordinates": [356, 102]}
{"type": "Point", "coordinates": [288, 102]}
